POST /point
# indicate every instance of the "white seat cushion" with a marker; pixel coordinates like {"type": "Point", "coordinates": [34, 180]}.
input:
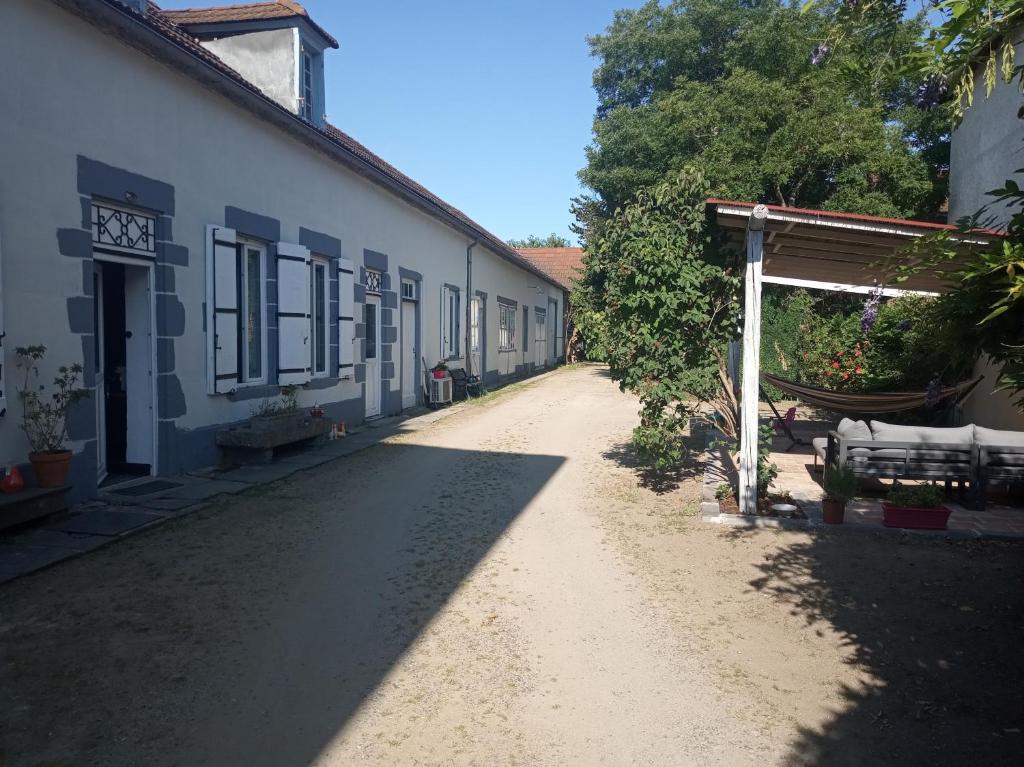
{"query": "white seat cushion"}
{"type": "Point", "coordinates": [849, 429]}
{"type": "Point", "coordinates": [888, 432]}
{"type": "Point", "coordinates": [820, 445]}
{"type": "Point", "coordinates": [998, 437]}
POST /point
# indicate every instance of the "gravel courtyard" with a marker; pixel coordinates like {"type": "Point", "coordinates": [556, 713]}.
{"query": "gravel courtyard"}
{"type": "Point", "coordinates": [504, 587]}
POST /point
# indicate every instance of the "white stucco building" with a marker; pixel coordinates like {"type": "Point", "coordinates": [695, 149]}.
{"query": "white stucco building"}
{"type": "Point", "coordinates": [177, 216]}
{"type": "Point", "coordinates": [987, 149]}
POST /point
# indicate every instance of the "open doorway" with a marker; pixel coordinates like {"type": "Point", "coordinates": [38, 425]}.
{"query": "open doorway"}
{"type": "Point", "coordinates": [124, 370]}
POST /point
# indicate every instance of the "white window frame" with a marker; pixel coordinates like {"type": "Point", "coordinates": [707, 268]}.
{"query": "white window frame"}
{"type": "Point", "coordinates": [244, 245]}
{"type": "Point", "coordinates": [306, 70]}
{"type": "Point", "coordinates": [507, 327]}
{"type": "Point", "coordinates": [320, 335]}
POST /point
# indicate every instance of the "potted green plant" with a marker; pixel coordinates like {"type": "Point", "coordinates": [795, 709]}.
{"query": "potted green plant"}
{"type": "Point", "coordinates": [841, 485]}
{"type": "Point", "coordinates": [44, 418]}
{"type": "Point", "coordinates": [915, 507]}
{"type": "Point", "coordinates": [271, 415]}
{"type": "Point", "coordinates": [440, 370]}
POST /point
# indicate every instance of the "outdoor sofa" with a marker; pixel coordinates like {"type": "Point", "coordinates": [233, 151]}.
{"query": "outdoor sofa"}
{"type": "Point", "coordinates": [967, 454]}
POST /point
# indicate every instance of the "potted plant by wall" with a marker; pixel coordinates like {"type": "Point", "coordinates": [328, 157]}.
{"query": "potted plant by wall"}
{"type": "Point", "coordinates": [277, 414]}
{"type": "Point", "coordinates": [841, 485]}
{"type": "Point", "coordinates": [915, 507]}
{"type": "Point", "coordinates": [44, 416]}
{"type": "Point", "coordinates": [440, 370]}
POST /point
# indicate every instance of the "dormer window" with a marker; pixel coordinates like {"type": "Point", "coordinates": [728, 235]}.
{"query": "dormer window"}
{"type": "Point", "coordinates": [306, 107]}
{"type": "Point", "coordinates": [273, 44]}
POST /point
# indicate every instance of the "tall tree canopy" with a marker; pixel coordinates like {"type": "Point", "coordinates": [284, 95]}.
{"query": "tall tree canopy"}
{"type": "Point", "coordinates": [736, 87]}
{"type": "Point", "coordinates": [533, 241]}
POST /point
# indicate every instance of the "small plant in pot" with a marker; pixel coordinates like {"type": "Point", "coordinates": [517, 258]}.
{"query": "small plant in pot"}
{"type": "Point", "coordinates": [915, 507]}
{"type": "Point", "coordinates": [440, 370]}
{"type": "Point", "coordinates": [274, 412]}
{"type": "Point", "coordinates": [44, 416]}
{"type": "Point", "coordinates": [841, 485]}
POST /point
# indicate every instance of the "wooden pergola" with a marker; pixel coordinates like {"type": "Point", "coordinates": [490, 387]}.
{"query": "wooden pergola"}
{"type": "Point", "coordinates": [814, 249]}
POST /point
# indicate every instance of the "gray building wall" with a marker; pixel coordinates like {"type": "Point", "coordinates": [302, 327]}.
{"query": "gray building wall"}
{"type": "Point", "coordinates": [267, 59]}
{"type": "Point", "coordinates": [986, 148]}
{"type": "Point", "coordinates": [195, 159]}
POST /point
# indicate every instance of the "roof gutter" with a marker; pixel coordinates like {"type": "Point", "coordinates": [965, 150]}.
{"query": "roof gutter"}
{"type": "Point", "coordinates": [137, 30]}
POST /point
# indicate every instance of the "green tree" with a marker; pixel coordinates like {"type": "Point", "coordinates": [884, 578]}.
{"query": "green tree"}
{"type": "Point", "coordinates": [668, 302]}
{"type": "Point", "coordinates": [533, 241]}
{"type": "Point", "coordinates": [738, 88]}
{"type": "Point", "coordinates": [960, 39]}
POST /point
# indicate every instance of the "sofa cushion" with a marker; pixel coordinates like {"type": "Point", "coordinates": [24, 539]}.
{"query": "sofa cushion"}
{"type": "Point", "coordinates": [998, 437]}
{"type": "Point", "coordinates": [888, 432]}
{"type": "Point", "coordinates": [849, 429]}
{"type": "Point", "coordinates": [820, 445]}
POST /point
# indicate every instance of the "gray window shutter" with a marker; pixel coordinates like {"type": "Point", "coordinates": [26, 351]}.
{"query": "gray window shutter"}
{"type": "Point", "coordinates": [3, 359]}
{"type": "Point", "coordinates": [222, 358]}
{"type": "Point", "coordinates": [294, 360]}
{"type": "Point", "coordinates": [346, 318]}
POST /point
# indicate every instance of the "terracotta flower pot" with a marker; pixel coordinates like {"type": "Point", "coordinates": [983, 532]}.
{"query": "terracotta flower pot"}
{"type": "Point", "coordinates": [51, 469]}
{"type": "Point", "coordinates": [833, 512]}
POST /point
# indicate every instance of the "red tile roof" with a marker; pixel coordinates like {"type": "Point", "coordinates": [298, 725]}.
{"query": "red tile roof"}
{"type": "Point", "coordinates": [155, 19]}
{"type": "Point", "coordinates": [564, 265]}
{"type": "Point", "coordinates": [220, 14]}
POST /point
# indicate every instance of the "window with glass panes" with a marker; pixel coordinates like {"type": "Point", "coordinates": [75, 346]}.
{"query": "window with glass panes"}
{"type": "Point", "coordinates": [320, 330]}
{"type": "Point", "coordinates": [252, 317]}
{"type": "Point", "coordinates": [506, 327]}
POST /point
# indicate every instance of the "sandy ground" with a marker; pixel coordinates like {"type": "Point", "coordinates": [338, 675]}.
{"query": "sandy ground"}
{"type": "Point", "coordinates": [505, 588]}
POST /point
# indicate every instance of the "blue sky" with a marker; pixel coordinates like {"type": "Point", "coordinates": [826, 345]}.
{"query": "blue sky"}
{"type": "Point", "coordinates": [487, 104]}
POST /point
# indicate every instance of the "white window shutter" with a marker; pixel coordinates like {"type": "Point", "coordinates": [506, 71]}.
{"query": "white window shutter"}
{"type": "Point", "coordinates": [222, 359]}
{"type": "Point", "coordinates": [293, 314]}
{"type": "Point", "coordinates": [346, 318]}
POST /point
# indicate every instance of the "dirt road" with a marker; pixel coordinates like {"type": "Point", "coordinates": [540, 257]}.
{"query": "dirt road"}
{"type": "Point", "coordinates": [495, 589]}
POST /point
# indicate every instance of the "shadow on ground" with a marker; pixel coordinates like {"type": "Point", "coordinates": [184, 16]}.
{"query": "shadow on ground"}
{"type": "Point", "coordinates": [251, 633]}
{"type": "Point", "coordinates": [938, 625]}
{"type": "Point", "coordinates": [657, 480]}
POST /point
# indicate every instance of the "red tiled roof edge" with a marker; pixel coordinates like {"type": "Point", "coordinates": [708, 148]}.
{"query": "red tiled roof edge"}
{"type": "Point", "coordinates": [218, 14]}
{"type": "Point", "coordinates": [863, 217]}
{"type": "Point", "coordinates": [563, 265]}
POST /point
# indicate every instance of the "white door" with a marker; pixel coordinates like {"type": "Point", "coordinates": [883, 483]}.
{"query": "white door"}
{"type": "Point", "coordinates": [409, 354]}
{"type": "Point", "coordinates": [138, 365]}
{"type": "Point", "coordinates": [475, 360]}
{"type": "Point", "coordinates": [371, 319]}
{"type": "Point", "coordinates": [101, 383]}
{"type": "Point", "coordinates": [540, 346]}
{"type": "Point", "coordinates": [552, 335]}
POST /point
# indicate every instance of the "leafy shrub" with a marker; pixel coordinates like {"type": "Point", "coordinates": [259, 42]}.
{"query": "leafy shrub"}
{"type": "Point", "coordinates": [724, 492]}
{"type": "Point", "coordinates": [670, 306]}
{"type": "Point", "coordinates": [841, 484]}
{"type": "Point", "coordinates": [916, 496]}
{"type": "Point", "coordinates": [911, 341]}
{"type": "Point", "coordinates": [766, 471]}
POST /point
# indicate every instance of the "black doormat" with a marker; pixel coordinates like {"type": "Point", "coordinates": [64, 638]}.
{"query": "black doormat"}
{"type": "Point", "coordinates": [146, 488]}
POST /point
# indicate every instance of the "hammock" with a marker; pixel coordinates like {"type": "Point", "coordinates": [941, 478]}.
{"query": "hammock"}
{"type": "Point", "coordinates": [881, 402]}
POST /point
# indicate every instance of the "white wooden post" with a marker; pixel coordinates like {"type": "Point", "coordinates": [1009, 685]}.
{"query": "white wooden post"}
{"type": "Point", "coordinates": [751, 360]}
